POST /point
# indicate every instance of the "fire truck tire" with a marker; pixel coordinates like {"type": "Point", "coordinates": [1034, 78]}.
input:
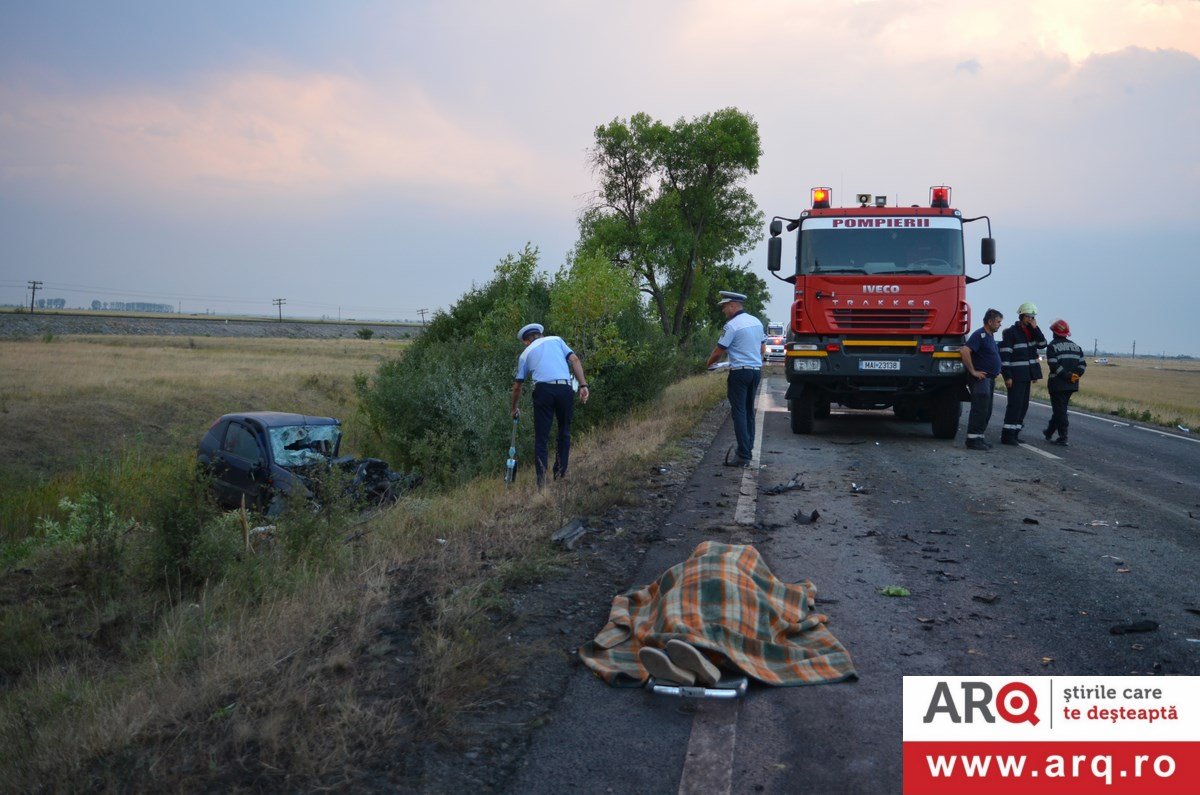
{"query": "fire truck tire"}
{"type": "Point", "coordinates": [822, 410]}
{"type": "Point", "coordinates": [801, 410]}
{"type": "Point", "coordinates": [946, 410]}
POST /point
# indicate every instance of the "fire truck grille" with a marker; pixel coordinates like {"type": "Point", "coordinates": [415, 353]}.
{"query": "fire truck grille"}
{"type": "Point", "coordinates": [867, 319]}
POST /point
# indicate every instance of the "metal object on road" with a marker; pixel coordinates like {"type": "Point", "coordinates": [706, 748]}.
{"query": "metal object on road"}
{"type": "Point", "coordinates": [730, 686]}
{"type": "Point", "coordinates": [510, 466]}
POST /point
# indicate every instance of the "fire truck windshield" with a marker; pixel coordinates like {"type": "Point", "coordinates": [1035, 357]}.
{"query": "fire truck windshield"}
{"type": "Point", "coordinates": [937, 251]}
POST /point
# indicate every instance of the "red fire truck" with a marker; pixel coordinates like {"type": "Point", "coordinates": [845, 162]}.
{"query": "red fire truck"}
{"type": "Point", "coordinates": [880, 308]}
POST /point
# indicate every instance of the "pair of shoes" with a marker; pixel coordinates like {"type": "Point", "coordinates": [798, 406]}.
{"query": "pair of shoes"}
{"type": "Point", "coordinates": [1062, 440]}
{"type": "Point", "coordinates": [660, 666]}
{"type": "Point", "coordinates": [977, 444]}
{"type": "Point", "coordinates": [681, 662]}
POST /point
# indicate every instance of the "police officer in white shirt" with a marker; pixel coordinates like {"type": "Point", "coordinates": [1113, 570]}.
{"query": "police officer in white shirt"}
{"type": "Point", "coordinates": [550, 363]}
{"type": "Point", "coordinates": [742, 340]}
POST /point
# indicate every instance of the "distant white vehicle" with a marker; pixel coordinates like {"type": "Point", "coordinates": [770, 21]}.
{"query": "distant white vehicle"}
{"type": "Point", "coordinates": [1101, 360]}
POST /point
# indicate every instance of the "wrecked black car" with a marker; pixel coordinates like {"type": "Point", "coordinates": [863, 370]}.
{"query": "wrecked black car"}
{"type": "Point", "coordinates": [267, 458]}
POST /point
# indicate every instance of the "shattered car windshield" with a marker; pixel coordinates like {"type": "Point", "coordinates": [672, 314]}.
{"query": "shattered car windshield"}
{"type": "Point", "coordinates": [297, 445]}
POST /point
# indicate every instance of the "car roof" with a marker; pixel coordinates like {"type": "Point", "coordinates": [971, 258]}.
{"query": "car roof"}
{"type": "Point", "coordinates": [279, 419]}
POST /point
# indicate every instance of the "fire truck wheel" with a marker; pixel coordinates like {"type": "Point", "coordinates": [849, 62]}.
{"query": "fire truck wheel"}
{"type": "Point", "coordinates": [822, 410]}
{"type": "Point", "coordinates": [946, 409]}
{"type": "Point", "coordinates": [801, 410]}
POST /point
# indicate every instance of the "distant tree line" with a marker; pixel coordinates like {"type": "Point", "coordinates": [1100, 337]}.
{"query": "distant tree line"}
{"type": "Point", "coordinates": [51, 303]}
{"type": "Point", "coordinates": [128, 306]}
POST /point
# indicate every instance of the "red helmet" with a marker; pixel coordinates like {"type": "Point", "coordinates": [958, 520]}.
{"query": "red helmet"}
{"type": "Point", "coordinates": [1061, 328]}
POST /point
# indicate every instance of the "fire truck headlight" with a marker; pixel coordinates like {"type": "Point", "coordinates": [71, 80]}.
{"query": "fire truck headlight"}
{"type": "Point", "coordinates": [806, 365]}
{"type": "Point", "coordinates": [950, 366]}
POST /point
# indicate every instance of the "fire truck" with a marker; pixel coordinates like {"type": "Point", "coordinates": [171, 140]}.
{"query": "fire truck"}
{"type": "Point", "coordinates": [880, 308]}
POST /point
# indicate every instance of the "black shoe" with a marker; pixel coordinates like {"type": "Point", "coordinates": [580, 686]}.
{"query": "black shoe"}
{"type": "Point", "coordinates": [1009, 438]}
{"type": "Point", "coordinates": [1048, 434]}
{"type": "Point", "coordinates": [738, 462]}
{"type": "Point", "coordinates": [978, 444]}
{"type": "Point", "coordinates": [1062, 441]}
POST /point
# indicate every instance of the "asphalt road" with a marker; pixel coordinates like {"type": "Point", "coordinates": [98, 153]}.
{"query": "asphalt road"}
{"type": "Point", "coordinates": [1019, 562]}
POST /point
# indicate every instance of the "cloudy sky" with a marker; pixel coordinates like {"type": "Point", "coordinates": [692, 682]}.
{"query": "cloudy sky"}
{"type": "Point", "coordinates": [377, 158]}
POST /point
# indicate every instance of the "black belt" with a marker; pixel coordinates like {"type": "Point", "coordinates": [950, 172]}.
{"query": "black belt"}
{"type": "Point", "coordinates": [559, 381]}
{"type": "Point", "coordinates": [747, 367]}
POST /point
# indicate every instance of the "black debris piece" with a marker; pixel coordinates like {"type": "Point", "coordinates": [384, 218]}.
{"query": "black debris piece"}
{"type": "Point", "coordinates": [1145, 625]}
{"type": "Point", "coordinates": [986, 599]}
{"type": "Point", "coordinates": [792, 485]}
{"type": "Point", "coordinates": [803, 517]}
{"type": "Point", "coordinates": [1030, 520]}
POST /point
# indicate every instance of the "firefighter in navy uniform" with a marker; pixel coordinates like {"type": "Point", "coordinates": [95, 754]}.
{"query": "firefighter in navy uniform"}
{"type": "Point", "coordinates": [1065, 363]}
{"type": "Point", "coordinates": [1019, 367]}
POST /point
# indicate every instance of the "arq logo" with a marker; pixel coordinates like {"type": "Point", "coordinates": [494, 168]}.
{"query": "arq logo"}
{"type": "Point", "coordinates": [1016, 702]}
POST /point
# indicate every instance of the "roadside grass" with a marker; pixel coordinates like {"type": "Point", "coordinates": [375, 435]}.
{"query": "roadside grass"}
{"type": "Point", "coordinates": [79, 404]}
{"type": "Point", "coordinates": [1163, 392]}
{"type": "Point", "coordinates": [293, 669]}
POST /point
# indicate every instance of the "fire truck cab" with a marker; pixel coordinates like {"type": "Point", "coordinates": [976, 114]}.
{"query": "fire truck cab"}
{"type": "Point", "coordinates": [880, 308]}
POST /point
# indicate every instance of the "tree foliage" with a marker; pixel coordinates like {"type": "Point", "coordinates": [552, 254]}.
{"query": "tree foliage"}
{"type": "Point", "coordinates": [672, 206]}
{"type": "Point", "coordinates": [442, 408]}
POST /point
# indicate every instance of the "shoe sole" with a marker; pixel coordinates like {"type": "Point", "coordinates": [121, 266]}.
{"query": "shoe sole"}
{"type": "Point", "coordinates": [659, 665]}
{"type": "Point", "coordinates": [688, 657]}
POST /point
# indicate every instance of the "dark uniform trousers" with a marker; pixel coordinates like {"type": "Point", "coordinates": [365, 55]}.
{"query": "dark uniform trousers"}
{"type": "Point", "coordinates": [983, 392]}
{"type": "Point", "coordinates": [550, 402]}
{"type": "Point", "coordinates": [1059, 401]}
{"type": "Point", "coordinates": [1018, 406]}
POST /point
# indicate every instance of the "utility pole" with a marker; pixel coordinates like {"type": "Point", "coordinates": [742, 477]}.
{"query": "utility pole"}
{"type": "Point", "coordinates": [33, 288]}
{"type": "Point", "coordinates": [422, 312]}
{"type": "Point", "coordinates": [279, 302]}
{"type": "Point", "coordinates": [1134, 354]}
{"type": "Point", "coordinates": [1095, 345]}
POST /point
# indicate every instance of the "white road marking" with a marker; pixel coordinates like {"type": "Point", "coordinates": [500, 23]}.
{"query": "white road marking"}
{"type": "Point", "coordinates": [1041, 452]}
{"type": "Point", "coordinates": [1097, 417]}
{"type": "Point", "coordinates": [1167, 434]}
{"type": "Point", "coordinates": [747, 505]}
{"type": "Point", "coordinates": [708, 766]}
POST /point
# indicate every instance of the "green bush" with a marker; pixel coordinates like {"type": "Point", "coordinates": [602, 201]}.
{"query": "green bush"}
{"type": "Point", "coordinates": [94, 526]}
{"type": "Point", "coordinates": [442, 409]}
{"type": "Point", "coordinates": [365, 333]}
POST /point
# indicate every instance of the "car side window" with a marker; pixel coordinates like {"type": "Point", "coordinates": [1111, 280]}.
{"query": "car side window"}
{"type": "Point", "coordinates": [241, 443]}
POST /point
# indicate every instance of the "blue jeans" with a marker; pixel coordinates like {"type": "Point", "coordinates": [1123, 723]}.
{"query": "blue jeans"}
{"type": "Point", "coordinates": [742, 389]}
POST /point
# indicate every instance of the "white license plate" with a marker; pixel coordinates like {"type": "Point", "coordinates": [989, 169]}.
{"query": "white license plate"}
{"type": "Point", "coordinates": [875, 364]}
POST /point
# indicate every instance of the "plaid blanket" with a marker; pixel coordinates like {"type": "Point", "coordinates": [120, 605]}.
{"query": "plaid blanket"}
{"type": "Point", "coordinates": [725, 601]}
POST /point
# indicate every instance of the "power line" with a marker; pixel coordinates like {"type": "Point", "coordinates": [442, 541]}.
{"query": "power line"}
{"type": "Point", "coordinates": [279, 302]}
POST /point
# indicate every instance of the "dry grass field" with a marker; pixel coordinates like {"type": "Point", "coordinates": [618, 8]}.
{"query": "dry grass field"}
{"type": "Point", "coordinates": [75, 400]}
{"type": "Point", "coordinates": [75, 396]}
{"type": "Point", "coordinates": [264, 670]}
{"type": "Point", "coordinates": [1162, 391]}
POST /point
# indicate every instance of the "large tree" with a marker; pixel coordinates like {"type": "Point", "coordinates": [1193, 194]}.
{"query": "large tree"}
{"type": "Point", "coordinates": [672, 203]}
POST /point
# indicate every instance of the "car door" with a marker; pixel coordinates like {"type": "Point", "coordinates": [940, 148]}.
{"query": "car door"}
{"type": "Point", "coordinates": [242, 466]}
